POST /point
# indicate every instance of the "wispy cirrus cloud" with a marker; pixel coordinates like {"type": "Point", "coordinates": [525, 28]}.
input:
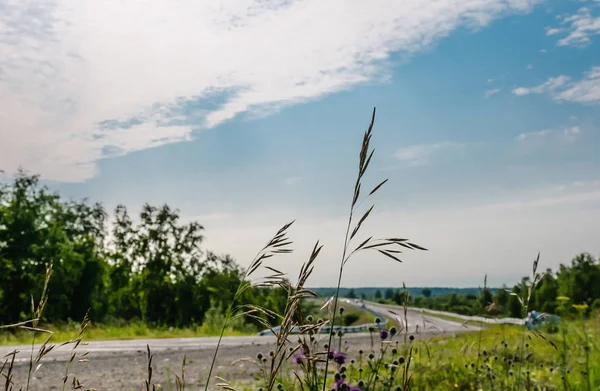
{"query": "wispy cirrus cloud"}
{"type": "Point", "coordinates": [551, 85]}
{"type": "Point", "coordinates": [569, 133]}
{"type": "Point", "coordinates": [561, 88]}
{"type": "Point", "coordinates": [422, 154]}
{"type": "Point", "coordinates": [536, 134]}
{"type": "Point", "coordinates": [155, 71]}
{"type": "Point", "coordinates": [578, 28]}
{"type": "Point", "coordinates": [491, 92]}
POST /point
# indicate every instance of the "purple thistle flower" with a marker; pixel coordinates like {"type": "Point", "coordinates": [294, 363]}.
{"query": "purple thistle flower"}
{"type": "Point", "coordinates": [342, 384]}
{"type": "Point", "coordinates": [384, 334]}
{"type": "Point", "coordinates": [298, 358]}
{"type": "Point", "coordinates": [339, 358]}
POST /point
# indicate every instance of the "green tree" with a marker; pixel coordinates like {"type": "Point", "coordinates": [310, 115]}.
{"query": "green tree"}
{"type": "Point", "coordinates": [389, 294]}
{"type": "Point", "coordinates": [545, 294]}
{"type": "Point", "coordinates": [486, 298]}
{"type": "Point", "coordinates": [581, 281]}
{"type": "Point", "coordinates": [401, 297]}
{"type": "Point", "coordinates": [38, 228]}
{"type": "Point", "coordinates": [515, 309]}
{"type": "Point", "coordinates": [426, 292]}
{"type": "Point", "coordinates": [502, 299]}
{"type": "Point", "coordinates": [165, 257]}
{"type": "Point", "coordinates": [351, 294]}
{"type": "Point", "coordinates": [378, 294]}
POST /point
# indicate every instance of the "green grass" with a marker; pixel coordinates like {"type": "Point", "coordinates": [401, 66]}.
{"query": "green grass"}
{"type": "Point", "coordinates": [453, 362]}
{"type": "Point", "coordinates": [136, 330]}
{"type": "Point", "coordinates": [353, 316]}
{"type": "Point", "coordinates": [461, 362]}
{"type": "Point", "coordinates": [358, 315]}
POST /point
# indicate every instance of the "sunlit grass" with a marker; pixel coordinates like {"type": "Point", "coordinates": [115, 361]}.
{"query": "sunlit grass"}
{"type": "Point", "coordinates": [456, 362]}
{"type": "Point", "coordinates": [138, 330]}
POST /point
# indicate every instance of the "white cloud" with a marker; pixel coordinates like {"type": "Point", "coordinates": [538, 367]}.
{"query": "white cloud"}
{"type": "Point", "coordinates": [529, 67]}
{"type": "Point", "coordinates": [584, 90]}
{"type": "Point", "coordinates": [520, 91]}
{"type": "Point", "coordinates": [553, 31]}
{"type": "Point", "coordinates": [550, 85]}
{"type": "Point", "coordinates": [420, 155]}
{"type": "Point", "coordinates": [491, 92]}
{"type": "Point", "coordinates": [540, 133]}
{"type": "Point", "coordinates": [67, 66]}
{"type": "Point", "coordinates": [579, 28]}
{"type": "Point", "coordinates": [572, 131]}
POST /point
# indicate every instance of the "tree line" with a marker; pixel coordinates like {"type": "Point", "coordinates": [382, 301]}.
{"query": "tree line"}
{"type": "Point", "coordinates": [152, 269]}
{"type": "Point", "coordinates": [574, 283]}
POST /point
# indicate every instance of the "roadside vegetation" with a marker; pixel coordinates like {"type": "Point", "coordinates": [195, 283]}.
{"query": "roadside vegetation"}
{"type": "Point", "coordinates": [133, 330]}
{"type": "Point", "coordinates": [134, 277]}
{"type": "Point", "coordinates": [59, 263]}
{"type": "Point", "coordinates": [579, 279]}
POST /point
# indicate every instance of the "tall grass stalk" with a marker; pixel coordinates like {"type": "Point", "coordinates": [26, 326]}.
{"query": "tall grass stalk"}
{"type": "Point", "coordinates": [386, 247]}
{"type": "Point", "coordinates": [277, 245]}
{"type": "Point", "coordinates": [525, 301]}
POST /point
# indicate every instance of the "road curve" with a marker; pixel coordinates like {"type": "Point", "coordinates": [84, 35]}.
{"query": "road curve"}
{"type": "Point", "coordinates": [415, 320]}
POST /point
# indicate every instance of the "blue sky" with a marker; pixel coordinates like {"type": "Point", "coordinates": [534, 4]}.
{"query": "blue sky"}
{"type": "Point", "coordinates": [246, 114]}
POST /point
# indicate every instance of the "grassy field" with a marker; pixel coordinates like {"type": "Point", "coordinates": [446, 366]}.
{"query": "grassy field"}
{"type": "Point", "coordinates": [500, 357]}
{"type": "Point", "coordinates": [505, 357]}
{"type": "Point", "coordinates": [140, 330]}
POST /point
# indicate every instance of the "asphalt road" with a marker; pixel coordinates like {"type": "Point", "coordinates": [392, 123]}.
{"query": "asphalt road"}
{"type": "Point", "coordinates": [123, 347]}
{"type": "Point", "coordinates": [416, 322]}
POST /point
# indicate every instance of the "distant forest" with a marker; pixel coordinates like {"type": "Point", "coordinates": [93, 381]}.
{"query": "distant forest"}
{"type": "Point", "coordinates": [371, 292]}
{"type": "Point", "coordinates": [573, 287]}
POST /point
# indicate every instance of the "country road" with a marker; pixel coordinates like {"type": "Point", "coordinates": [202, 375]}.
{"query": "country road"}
{"type": "Point", "coordinates": [121, 365]}
{"type": "Point", "coordinates": [417, 322]}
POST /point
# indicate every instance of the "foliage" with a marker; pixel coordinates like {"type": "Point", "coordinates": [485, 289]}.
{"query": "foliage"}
{"type": "Point", "coordinates": [580, 281]}
{"type": "Point", "coordinates": [152, 270]}
{"type": "Point", "coordinates": [463, 362]}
